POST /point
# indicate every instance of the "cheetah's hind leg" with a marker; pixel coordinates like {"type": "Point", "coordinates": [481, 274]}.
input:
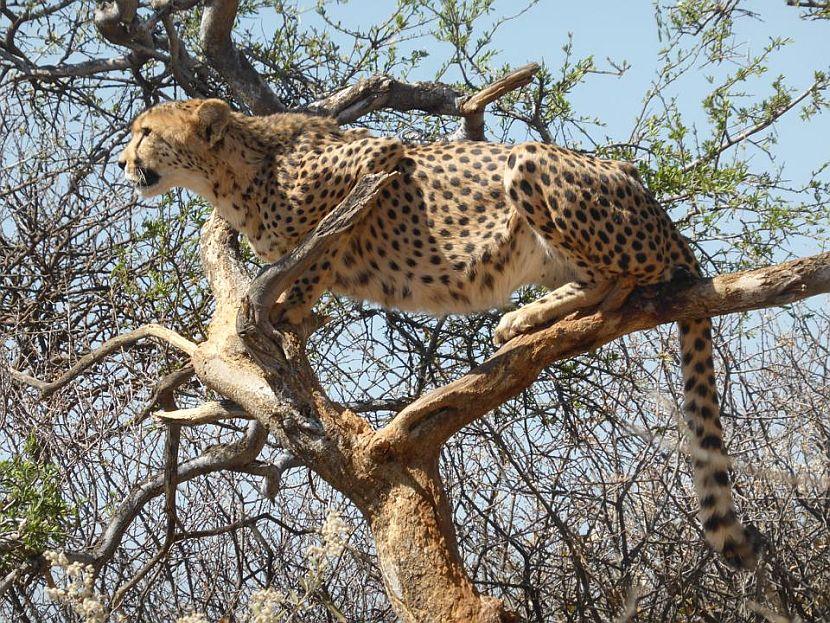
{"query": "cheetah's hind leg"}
{"type": "Point", "coordinates": [571, 297]}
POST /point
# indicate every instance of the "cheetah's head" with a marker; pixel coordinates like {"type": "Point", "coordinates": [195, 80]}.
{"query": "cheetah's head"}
{"type": "Point", "coordinates": [176, 144]}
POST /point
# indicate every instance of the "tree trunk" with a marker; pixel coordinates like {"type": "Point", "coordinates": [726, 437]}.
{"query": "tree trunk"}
{"type": "Point", "coordinates": [418, 553]}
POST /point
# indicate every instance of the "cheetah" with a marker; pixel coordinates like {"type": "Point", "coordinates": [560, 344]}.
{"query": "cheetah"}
{"type": "Point", "coordinates": [460, 227]}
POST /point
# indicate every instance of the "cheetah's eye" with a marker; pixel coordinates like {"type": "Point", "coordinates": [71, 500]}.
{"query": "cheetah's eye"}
{"type": "Point", "coordinates": [145, 131]}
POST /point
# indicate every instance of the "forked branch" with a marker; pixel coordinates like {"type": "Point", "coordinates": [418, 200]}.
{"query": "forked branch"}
{"type": "Point", "coordinates": [247, 84]}
{"type": "Point", "coordinates": [381, 92]}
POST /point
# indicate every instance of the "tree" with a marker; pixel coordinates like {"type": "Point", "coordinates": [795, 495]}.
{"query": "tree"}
{"type": "Point", "coordinates": [568, 513]}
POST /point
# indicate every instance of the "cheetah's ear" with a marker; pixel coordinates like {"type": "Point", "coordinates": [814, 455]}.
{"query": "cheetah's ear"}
{"type": "Point", "coordinates": [212, 118]}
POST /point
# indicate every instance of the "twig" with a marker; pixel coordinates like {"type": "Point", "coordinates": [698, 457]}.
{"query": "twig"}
{"type": "Point", "coordinates": [731, 141]}
{"type": "Point", "coordinates": [241, 523]}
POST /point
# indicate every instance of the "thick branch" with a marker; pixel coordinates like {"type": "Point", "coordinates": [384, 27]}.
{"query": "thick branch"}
{"type": "Point", "coordinates": [117, 22]}
{"type": "Point", "coordinates": [246, 83]}
{"type": "Point", "coordinates": [427, 423]}
{"type": "Point", "coordinates": [378, 92]}
{"type": "Point", "coordinates": [154, 331]}
{"type": "Point", "coordinates": [288, 400]}
{"type": "Point", "coordinates": [514, 80]}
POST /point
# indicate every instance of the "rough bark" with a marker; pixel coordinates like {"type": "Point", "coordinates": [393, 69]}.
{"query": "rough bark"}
{"type": "Point", "coordinates": [403, 502]}
{"type": "Point", "coordinates": [382, 92]}
{"type": "Point", "coordinates": [431, 420]}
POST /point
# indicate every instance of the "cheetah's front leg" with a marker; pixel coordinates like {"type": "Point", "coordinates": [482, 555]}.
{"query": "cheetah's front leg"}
{"type": "Point", "coordinates": [563, 301]}
{"type": "Point", "coordinates": [294, 305]}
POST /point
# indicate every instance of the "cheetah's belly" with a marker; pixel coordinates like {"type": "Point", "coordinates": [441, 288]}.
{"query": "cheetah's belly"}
{"type": "Point", "coordinates": [466, 287]}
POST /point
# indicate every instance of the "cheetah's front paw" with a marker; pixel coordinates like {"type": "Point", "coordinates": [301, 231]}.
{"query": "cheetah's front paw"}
{"type": "Point", "coordinates": [512, 324]}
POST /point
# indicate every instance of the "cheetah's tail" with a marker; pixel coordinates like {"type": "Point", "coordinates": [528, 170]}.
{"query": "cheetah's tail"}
{"type": "Point", "coordinates": [739, 545]}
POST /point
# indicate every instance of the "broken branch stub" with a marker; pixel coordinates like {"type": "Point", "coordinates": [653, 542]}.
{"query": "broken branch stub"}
{"type": "Point", "coordinates": [476, 102]}
{"type": "Point", "coordinates": [385, 93]}
{"type": "Point", "coordinates": [472, 107]}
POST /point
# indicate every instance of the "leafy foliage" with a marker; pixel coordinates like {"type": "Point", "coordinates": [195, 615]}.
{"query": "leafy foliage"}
{"type": "Point", "coordinates": [33, 513]}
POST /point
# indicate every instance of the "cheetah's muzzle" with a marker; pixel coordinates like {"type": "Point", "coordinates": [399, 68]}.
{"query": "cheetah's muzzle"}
{"type": "Point", "coordinates": [146, 178]}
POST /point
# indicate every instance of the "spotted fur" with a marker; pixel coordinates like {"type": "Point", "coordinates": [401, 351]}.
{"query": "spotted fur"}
{"type": "Point", "coordinates": [463, 225]}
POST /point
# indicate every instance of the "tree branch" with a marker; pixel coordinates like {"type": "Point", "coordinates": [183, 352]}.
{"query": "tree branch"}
{"type": "Point", "coordinates": [205, 413]}
{"type": "Point", "coordinates": [428, 422]}
{"type": "Point", "coordinates": [116, 20]}
{"type": "Point", "coordinates": [86, 68]}
{"type": "Point", "coordinates": [381, 92]}
{"type": "Point", "coordinates": [809, 4]}
{"type": "Point", "coordinates": [171, 460]}
{"type": "Point", "coordinates": [245, 82]}
{"type": "Point", "coordinates": [223, 457]}
{"type": "Point", "coordinates": [164, 392]}
{"type": "Point", "coordinates": [272, 473]}
{"type": "Point", "coordinates": [154, 331]}
{"type": "Point", "coordinates": [288, 399]}
{"type": "Point", "coordinates": [241, 523]}
{"type": "Point", "coordinates": [731, 141]}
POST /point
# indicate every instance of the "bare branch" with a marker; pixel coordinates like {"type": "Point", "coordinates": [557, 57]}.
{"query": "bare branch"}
{"type": "Point", "coordinates": [379, 92]}
{"type": "Point", "coordinates": [514, 80]}
{"type": "Point", "coordinates": [171, 459]}
{"type": "Point", "coordinates": [206, 413]}
{"type": "Point", "coordinates": [232, 65]}
{"type": "Point", "coordinates": [272, 472]}
{"type": "Point", "coordinates": [163, 394]}
{"type": "Point", "coordinates": [116, 20]}
{"type": "Point", "coordinates": [731, 141]}
{"type": "Point", "coordinates": [382, 92]}
{"type": "Point", "coordinates": [428, 422]}
{"type": "Point", "coordinates": [289, 400]}
{"type": "Point", "coordinates": [236, 525]}
{"type": "Point", "coordinates": [85, 68]}
{"type": "Point", "coordinates": [219, 458]}
{"type": "Point", "coordinates": [809, 4]}
{"type": "Point", "coordinates": [154, 331]}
